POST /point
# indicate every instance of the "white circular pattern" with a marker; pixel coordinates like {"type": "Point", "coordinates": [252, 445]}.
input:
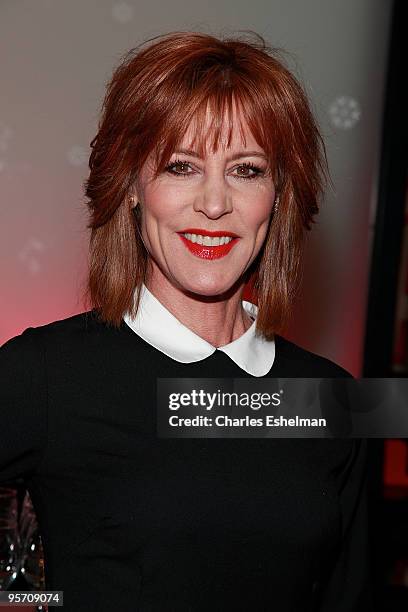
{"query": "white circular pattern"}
{"type": "Point", "coordinates": [122, 12]}
{"type": "Point", "coordinates": [77, 155]}
{"type": "Point", "coordinates": [30, 255]}
{"type": "Point", "coordinates": [344, 112]}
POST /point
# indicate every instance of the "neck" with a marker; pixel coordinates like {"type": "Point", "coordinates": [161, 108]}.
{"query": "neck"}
{"type": "Point", "coordinates": [219, 319]}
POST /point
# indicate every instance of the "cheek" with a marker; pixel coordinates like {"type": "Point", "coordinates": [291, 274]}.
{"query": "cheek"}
{"type": "Point", "coordinates": [259, 214]}
{"type": "Point", "coordinates": [162, 206]}
{"type": "Point", "coordinates": [161, 211]}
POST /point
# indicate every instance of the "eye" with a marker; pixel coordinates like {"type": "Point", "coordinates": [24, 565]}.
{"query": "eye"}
{"type": "Point", "coordinates": [250, 171]}
{"type": "Point", "coordinates": [181, 165]}
{"type": "Point", "coordinates": [255, 171]}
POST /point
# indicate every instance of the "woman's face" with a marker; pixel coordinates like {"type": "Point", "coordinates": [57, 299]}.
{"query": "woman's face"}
{"type": "Point", "coordinates": [229, 193]}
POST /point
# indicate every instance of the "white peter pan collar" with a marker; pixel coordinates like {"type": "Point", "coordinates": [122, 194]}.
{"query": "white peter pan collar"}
{"type": "Point", "coordinates": [161, 329]}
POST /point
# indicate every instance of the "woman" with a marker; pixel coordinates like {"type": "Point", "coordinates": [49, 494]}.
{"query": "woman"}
{"type": "Point", "coordinates": [204, 176]}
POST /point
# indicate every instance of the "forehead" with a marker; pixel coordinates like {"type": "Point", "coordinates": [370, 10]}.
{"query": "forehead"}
{"type": "Point", "coordinates": [208, 132]}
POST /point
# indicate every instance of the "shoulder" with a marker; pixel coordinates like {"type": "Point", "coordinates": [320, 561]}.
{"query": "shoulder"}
{"type": "Point", "coordinates": [68, 325]}
{"type": "Point", "coordinates": [34, 339]}
{"type": "Point", "coordinates": [79, 339]}
{"type": "Point", "coordinates": [293, 360]}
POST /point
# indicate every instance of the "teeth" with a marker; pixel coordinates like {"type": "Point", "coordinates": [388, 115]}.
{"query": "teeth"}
{"type": "Point", "coordinates": [207, 240]}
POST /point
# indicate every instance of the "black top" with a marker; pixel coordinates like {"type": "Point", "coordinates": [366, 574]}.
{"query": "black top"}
{"type": "Point", "coordinates": [131, 521]}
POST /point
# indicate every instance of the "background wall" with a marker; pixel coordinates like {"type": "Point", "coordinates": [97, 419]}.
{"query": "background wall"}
{"type": "Point", "coordinates": [57, 57]}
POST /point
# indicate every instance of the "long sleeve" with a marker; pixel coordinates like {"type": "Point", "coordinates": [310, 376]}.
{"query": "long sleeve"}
{"type": "Point", "coordinates": [23, 405]}
{"type": "Point", "coordinates": [348, 588]}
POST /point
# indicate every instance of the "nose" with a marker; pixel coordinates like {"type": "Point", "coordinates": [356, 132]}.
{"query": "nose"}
{"type": "Point", "coordinates": [214, 198]}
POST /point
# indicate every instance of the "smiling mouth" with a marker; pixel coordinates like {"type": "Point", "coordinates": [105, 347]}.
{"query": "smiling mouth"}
{"type": "Point", "coordinates": [207, 240]}
{"type": "Point", "coordinates": [206, 246]}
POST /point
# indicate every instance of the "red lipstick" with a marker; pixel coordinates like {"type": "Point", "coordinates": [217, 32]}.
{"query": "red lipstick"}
{"type": "Point", "coordinates": [203, 232]}
{"type": "Point", "coordinates": [204, 251]}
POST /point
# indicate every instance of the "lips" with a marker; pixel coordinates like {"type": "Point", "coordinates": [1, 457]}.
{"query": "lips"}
{"type": "Point", "coordinates": [202, 232]}
{"type": "Point", "coordinates": [209, 252]}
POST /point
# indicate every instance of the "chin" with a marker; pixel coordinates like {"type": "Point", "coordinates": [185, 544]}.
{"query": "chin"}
{"type": "Point", "coordinates": [209, 286]}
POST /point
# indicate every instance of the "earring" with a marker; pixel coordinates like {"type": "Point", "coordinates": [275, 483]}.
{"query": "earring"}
{"type": "Point", "coordinates": [135, 208]}
{"type": "Point", "coordinates": [276, 205]}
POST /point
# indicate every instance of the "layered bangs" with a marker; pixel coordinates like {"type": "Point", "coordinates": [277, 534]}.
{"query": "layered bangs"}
{"type": "Point", "coordinates": [211, 113]}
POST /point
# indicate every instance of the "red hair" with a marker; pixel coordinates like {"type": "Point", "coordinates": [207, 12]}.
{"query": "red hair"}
{"type": "Point", "coordinates": [154, 94]}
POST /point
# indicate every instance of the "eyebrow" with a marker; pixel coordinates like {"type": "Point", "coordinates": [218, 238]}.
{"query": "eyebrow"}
{"type": "Point", "coordinates": [236, 155]}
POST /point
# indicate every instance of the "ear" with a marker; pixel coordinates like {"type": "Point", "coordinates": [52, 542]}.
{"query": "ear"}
{"type": "Point", "coordinates": [133, 199]}
{"type": "Point", "coordinates": [134, 191]}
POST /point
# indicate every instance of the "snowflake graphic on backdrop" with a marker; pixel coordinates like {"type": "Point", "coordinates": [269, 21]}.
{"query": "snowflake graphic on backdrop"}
{"type": "Point", "coordinates": [30, 255]}
{"type": "Point", "coordinates": [122, 12]}
{"type": "Point", "coordinates": [344, 112]}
